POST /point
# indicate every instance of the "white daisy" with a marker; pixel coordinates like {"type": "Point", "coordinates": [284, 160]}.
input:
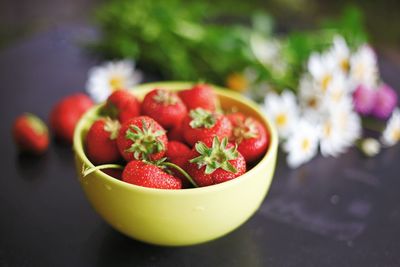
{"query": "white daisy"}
{"type": "Point", "coordinates": [111, 76]}
{"type": "Point", "coordinates": [363, 67]}
{"type": "Point", "coordinates": [391, 134]}
{"type": "Point", "coordinates": [310, 98]}
{"type": "Point", "coordinates": [302, 145]}
{"type": "Point", "coordinates": [338, 90]}
{"type": "Point", "coordinates": [341, 53]}
{"type": "Point", "coordinates": [322, 68]}
{"type": "Point", "coordinates": [282, 110]}
{"type": "Point", "coordinates": [340, 129]}
{"type": "Point", "coordinates": [269, 53]}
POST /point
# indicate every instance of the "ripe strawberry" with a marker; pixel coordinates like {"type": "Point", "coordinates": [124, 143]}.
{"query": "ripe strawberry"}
{"type": "Point", "coordinates": [148, 175]}
{"type": "Point", "coordinates": [101, 145]}
{"type": "Point", "coordinates": [250, 135]}
{"type": "Point", "coordinates": [199, 96]}
{"type": "Point", "coordinates": [142, 138]}
{"type": "Point", "coordinates": [176, 149]}
{"type": "Point", "coordinates": [122, 105]}
{"type": "Point", "coordinates": [66, 114]}
{"type": "Point", "coordinates": [214, 161]}
{"type": "Point", "coordinates": [178, 153]}
{"type": "Point", "coordinates": [201, 124]}
{"type": "Point", "coordinates": [165, 107]}
{"type": "Point", "coordinates": [30, 134]}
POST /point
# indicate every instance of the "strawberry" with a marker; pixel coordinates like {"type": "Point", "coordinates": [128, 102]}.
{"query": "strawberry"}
{"type": "Point", "coordinates": [200, 124]}
{"type": "Point", "coordinates": [66, 114]}
{"type": "Point", "coordinates": [250, 135]}
{"type": "Point", "coordinates": [176, 149]}
{"type": "Point", "coordinates": [101, 145]}
{"type": "Point", "coordinates": [148, 175]}
{"type": "Point", "coordinates": [122, 105]}
{"type": "Point", "coordinates": [164, 106]}
{"type": "Point", "coordinates": [178, 153]}
{"type": "Point", "coordinates": [199, 96]}
{"type": "Point", "coordinates": [30, 134]}
{"type": "Point", "coordinates": [214, 161]}
{"type": "Point", "coordinates": [142, 138]}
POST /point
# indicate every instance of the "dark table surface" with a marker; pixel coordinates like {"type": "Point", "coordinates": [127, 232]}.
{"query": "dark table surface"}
{"type": "Point", "coordinates": [330, 212]}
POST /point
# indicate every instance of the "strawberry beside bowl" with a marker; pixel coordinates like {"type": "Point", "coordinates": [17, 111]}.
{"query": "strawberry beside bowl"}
{"type": "Point", "coordinates": [177, 217]}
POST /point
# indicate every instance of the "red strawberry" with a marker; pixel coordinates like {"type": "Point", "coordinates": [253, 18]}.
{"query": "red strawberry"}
{"type": "Point", "coordinates": [142, 138]}
{"type": "Point", "coordinates": [101, 145]}
{"type": "Point", "coordinates": [176, 149]}
{"type": "Point", "coordinates": [178, 153]}
{"type": "Point", "coordinates": [250, 135]}
{"type": "Point", "coordinates": [214, 161]}
{"type": "Point", "coordinates": [176, 133]}
{"type": "Point", "coordinates": [30, 134]}
{"type": "Point", "coordinates": [66, 114]}
{"type": "Point", "coordinates": [148, 175]}
{"type": "Point", "coordinates": [199, 96]}
{"type": "Point", "coordinates": [165, 107]}
{"type": "Point", "coordinates": [122, 105]}
{"type": "Point", "coordinates": [201, 124]}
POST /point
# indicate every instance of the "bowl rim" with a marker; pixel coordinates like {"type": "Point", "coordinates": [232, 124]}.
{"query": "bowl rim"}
{"type": "Point", "coordinates": [78, 143]}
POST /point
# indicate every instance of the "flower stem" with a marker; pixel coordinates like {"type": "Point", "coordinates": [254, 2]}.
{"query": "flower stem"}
{"type": "Point", "coordinates": [87, 171]}
{"type": "Point", "coordinates": [182, 171]}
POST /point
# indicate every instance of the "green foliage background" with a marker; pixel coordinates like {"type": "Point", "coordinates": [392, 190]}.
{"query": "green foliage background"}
{"type": "Point", "coordinates": [184, 40]}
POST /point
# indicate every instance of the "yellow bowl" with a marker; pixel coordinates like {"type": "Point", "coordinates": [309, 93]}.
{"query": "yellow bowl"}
{"type": "Point", "coordinates": [177, 217]}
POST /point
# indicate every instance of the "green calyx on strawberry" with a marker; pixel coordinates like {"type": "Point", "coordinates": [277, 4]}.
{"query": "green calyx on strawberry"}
{"type": "Point", "coordinates": [112, 126]}
{"type": "Point", "coordinates": [202, 118]}
{"type": "Point", "coordinates": [244, 129]}
{"type": "Point", "coordinates": [145, 140]}
{"type": "Point", "coordinates": [166, 98]}
{"type": "Point", "coordinates": [37, 124]}
{"type": "Point", "coordinates": [215, 157]}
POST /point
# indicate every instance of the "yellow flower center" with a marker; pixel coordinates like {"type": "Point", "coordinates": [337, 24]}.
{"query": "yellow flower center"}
{"type": "Point", "coordinates": [327, 129]}
{"type": "Point", "coordinates": [359, 71]}
{"type": "Point", "coordinates": [312, 102]}
{"type": "Point", "coordinates": [305, 145]}
{"type": "Point", "coordinates": [325, 82]}
{"type": "Point", "coordinates": [116, 82]}
{"type": "Point", "coordinates": [337, 95]}
{"type": "Point", "coordinates": [237, 82]}
{"type": "Point", "coordinates": [281, 119]}
{"type": "Point", "coordinates": [396, 135]}
{"type": "Point", "coordinates": [345, 65]}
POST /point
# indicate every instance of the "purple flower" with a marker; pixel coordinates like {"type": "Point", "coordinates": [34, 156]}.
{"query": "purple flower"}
{"type": "Point", "coordinates": [364, 99]}
{"type": "Point", "coordinates": [386, 101]}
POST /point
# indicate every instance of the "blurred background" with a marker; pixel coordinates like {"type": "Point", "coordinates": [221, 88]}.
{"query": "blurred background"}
{"type": "Point", "coordinates": [208, 40]}
{"type": "Point", "coordinates": [19, 19]}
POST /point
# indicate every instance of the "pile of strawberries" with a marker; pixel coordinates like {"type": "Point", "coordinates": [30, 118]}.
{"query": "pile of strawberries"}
{"type": "Point", "coordinates": [174, 140]}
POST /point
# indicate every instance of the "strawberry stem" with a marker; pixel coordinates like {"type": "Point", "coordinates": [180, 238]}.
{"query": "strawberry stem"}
{"type": "Point", "coordinates": [182, 171]}
{"type": "Point", "coordinates": [87, 171]}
